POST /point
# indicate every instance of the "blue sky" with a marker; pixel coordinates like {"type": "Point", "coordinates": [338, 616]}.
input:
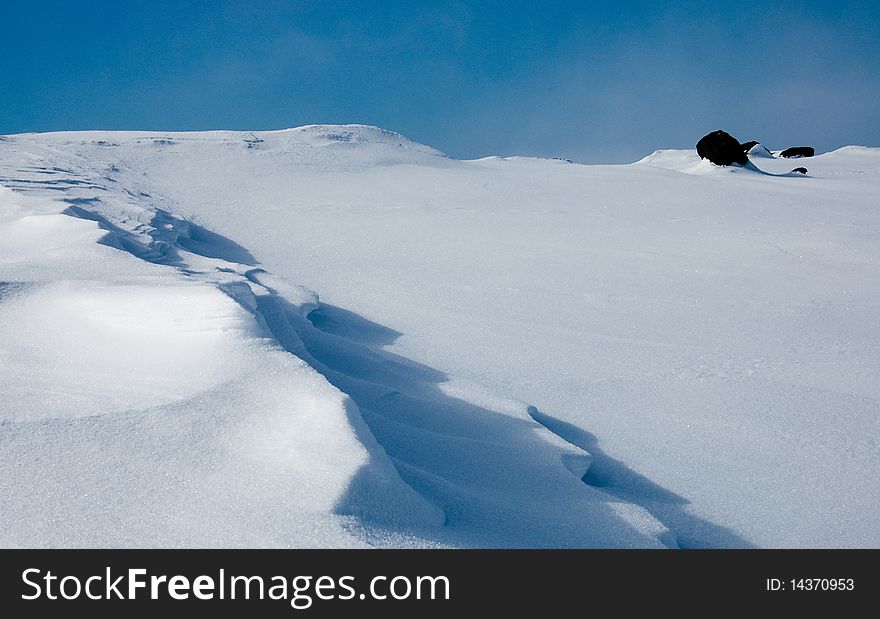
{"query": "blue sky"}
{"type": "Point", "coordinates": [592, 81]}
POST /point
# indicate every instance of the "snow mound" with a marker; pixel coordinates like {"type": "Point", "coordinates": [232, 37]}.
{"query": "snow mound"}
{"type": "Point", "coordinates": [153, 408]}
{"type": "Point", "coordinates": [670, 158]}
{"type": "Point", "coordinates": [117, 344]}
{"type": "Point", "coordinates": [360, 134]}
{"type": "Point", "coordinates": [685, 161]}
{"type": "Point", "coordinates": [760, 151]}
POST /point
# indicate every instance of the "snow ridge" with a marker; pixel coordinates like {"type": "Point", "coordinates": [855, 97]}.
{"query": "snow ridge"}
{"type": "Point", "coordinates": [445, 466]}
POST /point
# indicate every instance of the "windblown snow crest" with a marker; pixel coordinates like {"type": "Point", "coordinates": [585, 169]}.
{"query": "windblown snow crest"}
{"type": "Point", "coordinates": [164, 389]}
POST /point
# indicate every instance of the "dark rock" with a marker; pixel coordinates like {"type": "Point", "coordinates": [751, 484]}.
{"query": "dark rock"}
{"type": "Point", "coordinates": [800, 170]}
{"type": "Point", "coordinates": [721, 148]}
{"type": "Point", "coordinates": [798, 151]}
{"type": "Point", "coordinates": [747, 146]}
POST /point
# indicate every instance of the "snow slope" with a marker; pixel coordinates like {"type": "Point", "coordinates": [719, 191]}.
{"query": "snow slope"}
{"type": "Point", "coordinates": [145, 406]}
{"type": "Point", "coordinates": [699, 344]}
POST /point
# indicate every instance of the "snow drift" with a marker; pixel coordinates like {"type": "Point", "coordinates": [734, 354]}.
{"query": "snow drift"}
{"type": "Point", "coordinates": [506, 352]}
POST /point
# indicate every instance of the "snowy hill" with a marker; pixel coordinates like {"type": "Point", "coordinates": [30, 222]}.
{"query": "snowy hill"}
{"type": "Point", "coordinates": [505, 352]}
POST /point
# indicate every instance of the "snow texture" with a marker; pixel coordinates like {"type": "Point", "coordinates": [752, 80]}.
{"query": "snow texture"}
{"type": "Point", "coordinates": [506, 352]}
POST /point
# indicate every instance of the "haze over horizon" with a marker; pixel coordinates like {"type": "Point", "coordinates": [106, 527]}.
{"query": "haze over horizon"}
{"type": "Point", "coordinates": [587, 82]}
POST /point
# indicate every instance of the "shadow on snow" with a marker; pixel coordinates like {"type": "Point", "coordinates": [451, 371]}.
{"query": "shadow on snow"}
{"type": "Point", "coordinates": [496, 479]}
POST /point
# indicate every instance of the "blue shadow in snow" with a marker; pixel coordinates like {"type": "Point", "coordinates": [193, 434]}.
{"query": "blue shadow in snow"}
{"type": "Point", "coordinates": [615, 478]}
